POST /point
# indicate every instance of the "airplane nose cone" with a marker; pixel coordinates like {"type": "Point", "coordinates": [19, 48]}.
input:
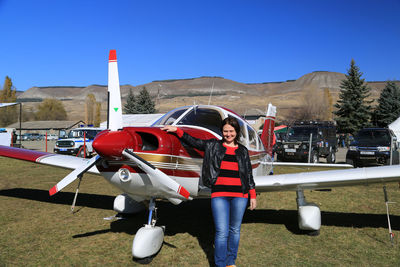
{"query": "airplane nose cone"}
{"type": "Point", "coordinates": [110, 144]}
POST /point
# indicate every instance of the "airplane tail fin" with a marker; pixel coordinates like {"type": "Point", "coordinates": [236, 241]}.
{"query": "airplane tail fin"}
{"type": "Point", "coordinates": [267, 136]}
{"type": "Point", "coordinates": [114, 94]}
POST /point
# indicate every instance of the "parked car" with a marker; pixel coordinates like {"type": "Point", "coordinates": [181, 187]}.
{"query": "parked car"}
{"type": "Point", "coordinates": [32, 137]}
{"type": "Point", "coordinates": [52, 137]}
{"type": "Point", "coordinates": [73, 144]}
{"type": "Point", "coordinates": [296, 145]}
{"type": "Point", "coordinates": [373, 146]}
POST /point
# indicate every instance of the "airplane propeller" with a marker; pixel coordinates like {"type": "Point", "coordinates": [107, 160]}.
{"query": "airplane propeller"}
{"type": "Point", "coordinates": [114, 122]}
{"type": "Point", "coordinates": [101, 143]}
{"type": "Point", "coordinates": [175, 188]}
{"type": "Point", "coordinates": [78, 172]}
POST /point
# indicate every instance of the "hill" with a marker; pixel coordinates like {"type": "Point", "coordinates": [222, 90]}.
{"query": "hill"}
{"type": "Point", "coordinates": [168, 94]}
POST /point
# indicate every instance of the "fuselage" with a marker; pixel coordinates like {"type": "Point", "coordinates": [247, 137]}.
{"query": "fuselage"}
{"type": "Point", "coordinates": [168, 153]}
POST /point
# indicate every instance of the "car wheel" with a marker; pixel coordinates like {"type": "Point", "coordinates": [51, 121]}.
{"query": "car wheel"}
{"type": "Point", "coordinates": [280, 158]}
{"type": "Point", "coordinates": [331, 157]}
{"type": "Point", "coordinates": [81, 153]}
{"type": "Point", "coordinates": [314, 157]}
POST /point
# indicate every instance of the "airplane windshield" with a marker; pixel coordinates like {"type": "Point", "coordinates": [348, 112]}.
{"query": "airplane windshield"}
{"type": "Point", "coordinates": [170, 117]}
{"type": "Point", "coordinates": [203, 117]}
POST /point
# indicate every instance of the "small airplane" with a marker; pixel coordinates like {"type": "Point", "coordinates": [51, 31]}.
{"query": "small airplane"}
{"type": "Point", "coordinates": [147, 163]}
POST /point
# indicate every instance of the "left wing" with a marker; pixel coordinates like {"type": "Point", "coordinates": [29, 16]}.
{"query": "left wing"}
{"type": "Point", "coordinates": [63, 161]}
{"type": "Point", "coordinates": [327, 179]}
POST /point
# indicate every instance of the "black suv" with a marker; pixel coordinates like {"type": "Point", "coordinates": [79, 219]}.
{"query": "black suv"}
{"type": "Point", "coordinates": [373, 146]}
{"type": "Point", "coordinates": [296, 145]}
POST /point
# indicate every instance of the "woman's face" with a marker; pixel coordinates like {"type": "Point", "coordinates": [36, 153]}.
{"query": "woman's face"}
{"type": "Point", "coordinates": [229, 133]}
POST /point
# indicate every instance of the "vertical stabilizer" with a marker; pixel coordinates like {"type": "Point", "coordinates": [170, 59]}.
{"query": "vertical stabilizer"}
{"type": "Point", "coordinates": [267, 135]}
{"type": "Point", "coordinates": [114, 105]}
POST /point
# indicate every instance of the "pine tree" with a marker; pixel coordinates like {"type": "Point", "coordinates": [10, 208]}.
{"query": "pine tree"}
{"type": "Point", "coordinates": [144, 104]}
{"type": "Point", "coordinates": [8, 114]}
{"type": "Point", "coordinates": [130, 106]}
{"type": "Point", "coordinates": [388, 109]}
{"type": "Point", "coordinates": [353, 110]}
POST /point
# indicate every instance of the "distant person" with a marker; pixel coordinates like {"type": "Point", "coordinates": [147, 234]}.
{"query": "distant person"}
{"type": "Point", "coordinates": [342, 140]}
{"type": "Point", "coordinates": [227, 171]}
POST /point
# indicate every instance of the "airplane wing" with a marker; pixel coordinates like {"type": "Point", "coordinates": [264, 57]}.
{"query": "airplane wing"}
{"type": "Point", "coordinates": [300, 164]}
{"type": "Point", "coordinates": [327, 179]}
{"type": "Point", "coordinates": [63, 161]}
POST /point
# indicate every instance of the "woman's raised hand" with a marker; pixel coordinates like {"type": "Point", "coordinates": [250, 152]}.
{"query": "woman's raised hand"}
{"type": "Point", "coordinates": [169, 128]}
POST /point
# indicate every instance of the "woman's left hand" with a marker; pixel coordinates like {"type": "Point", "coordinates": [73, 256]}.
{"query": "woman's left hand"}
{"type": "Point", "coordinates": [253, 203]}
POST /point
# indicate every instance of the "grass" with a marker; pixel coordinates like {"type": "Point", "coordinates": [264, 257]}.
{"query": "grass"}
{"type": "Point", "coordinates": [37, 230]}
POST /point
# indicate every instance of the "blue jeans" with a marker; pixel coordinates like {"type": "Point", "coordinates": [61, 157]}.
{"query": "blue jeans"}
{"type": "Point", "coordinates": [228, 214]}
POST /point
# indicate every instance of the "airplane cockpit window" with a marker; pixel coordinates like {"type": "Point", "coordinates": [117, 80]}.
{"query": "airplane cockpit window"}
{"type": "Point", "coordinates": [252, 137]}
{"type": "Point", "coordinates": [242, 138]}
{"type": "Point", "coordinates": [203, 117]}
{"type": "Point", "coordinates": [170, 117]}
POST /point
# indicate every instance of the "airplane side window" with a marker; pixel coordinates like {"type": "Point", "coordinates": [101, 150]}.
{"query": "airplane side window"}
{"type": "Point", "coordinates": [252, 137]}
{"type": "Point", "coordinates": [242, 138]}
{"type": "Point", "coordinates": [207, 118]}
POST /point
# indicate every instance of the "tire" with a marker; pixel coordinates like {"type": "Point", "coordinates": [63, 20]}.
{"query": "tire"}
{"type": "Point", "coordinates": [331, 158]}
{"type": "Point", "coordinates": [280, 158]}
{"type": "Point", "coordinates": [314, 157]}
{"type": "Point", "coordinates": [81, 153]}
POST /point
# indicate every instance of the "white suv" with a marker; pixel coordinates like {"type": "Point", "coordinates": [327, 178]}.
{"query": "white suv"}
{"type": "Point", "coordinates": [73, 144]}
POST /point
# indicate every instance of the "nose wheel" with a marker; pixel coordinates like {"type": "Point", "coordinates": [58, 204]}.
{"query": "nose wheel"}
{"type": "Point", "coordinates": [149, 238]}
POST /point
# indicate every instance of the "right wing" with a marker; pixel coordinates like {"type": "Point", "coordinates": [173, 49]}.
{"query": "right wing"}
{"type": "Point", "coordinates": [63, 161]}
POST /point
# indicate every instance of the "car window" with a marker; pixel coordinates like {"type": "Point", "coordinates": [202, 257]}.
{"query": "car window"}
{"type": "Point", "coordinates": [375, 136]}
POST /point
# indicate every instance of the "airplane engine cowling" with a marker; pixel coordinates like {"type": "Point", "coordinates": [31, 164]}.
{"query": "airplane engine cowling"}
{"type": "Point", "coordinates": [309, 217]}
{"type": "Point", "coordinates": [125, 204]}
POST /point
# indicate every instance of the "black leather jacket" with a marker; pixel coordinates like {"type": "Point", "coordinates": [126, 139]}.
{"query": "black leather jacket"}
{"type": "Point", "coordinates": [214, 152]}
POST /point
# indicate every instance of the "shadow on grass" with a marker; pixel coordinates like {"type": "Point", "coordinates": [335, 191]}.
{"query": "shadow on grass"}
{"type": "Point", "coordinates": [195, 217]}
{"type": "Point", "coordinates": [65, 198]}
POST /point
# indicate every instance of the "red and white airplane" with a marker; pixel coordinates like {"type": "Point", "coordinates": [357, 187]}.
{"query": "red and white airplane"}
{"type": "Point", "coordinates": [147, 163]}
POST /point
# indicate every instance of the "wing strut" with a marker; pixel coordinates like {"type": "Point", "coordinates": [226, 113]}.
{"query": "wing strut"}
{"type": "Point", "coordinates": [387, 202]}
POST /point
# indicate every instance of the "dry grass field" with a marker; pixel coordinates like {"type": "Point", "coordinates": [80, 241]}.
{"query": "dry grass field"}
{"type": "Point", "coordinates": [37, 230]}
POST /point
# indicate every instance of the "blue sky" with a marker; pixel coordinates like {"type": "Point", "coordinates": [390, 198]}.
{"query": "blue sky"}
{"type": "Point", "coordinates": [60, 43]}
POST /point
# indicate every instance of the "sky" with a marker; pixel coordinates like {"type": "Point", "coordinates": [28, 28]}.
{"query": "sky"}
{"type": "Point", "coordinates": [66, 43]}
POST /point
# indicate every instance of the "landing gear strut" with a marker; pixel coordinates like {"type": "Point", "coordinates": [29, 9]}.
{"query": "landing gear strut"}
{"type": "Point", "coordinates": [149, 238]}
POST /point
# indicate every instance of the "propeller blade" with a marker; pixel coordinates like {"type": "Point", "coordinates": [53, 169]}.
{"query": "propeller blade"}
{"type": "Point", "coordinates": [158, 175]}
{"type": "Point", "coordinates": [114, 105]}
{"type": "Point", "coordinates": [74, 175]}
